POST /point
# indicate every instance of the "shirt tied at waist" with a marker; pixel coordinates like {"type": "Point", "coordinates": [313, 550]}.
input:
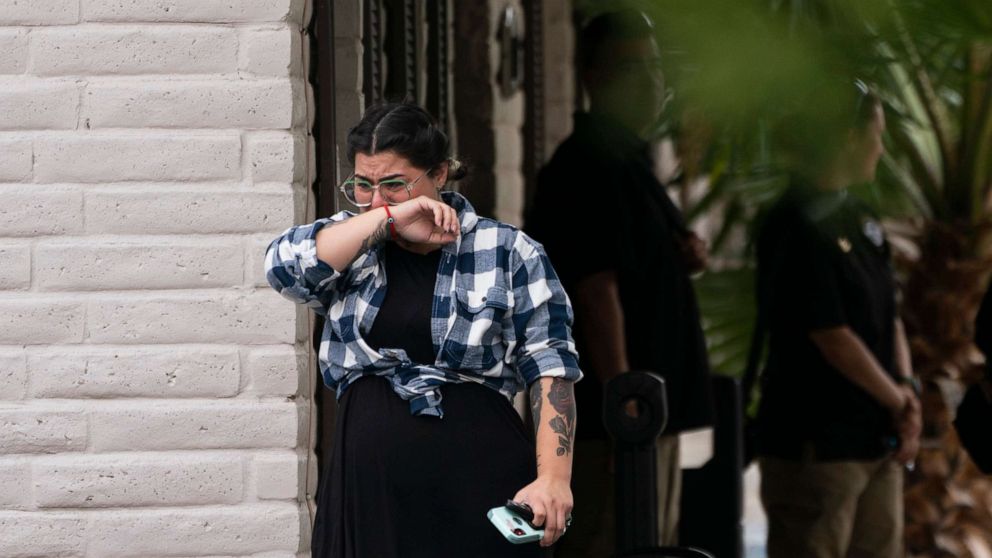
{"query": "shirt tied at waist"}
{"type": "Point", "coordinates": [416, 383]}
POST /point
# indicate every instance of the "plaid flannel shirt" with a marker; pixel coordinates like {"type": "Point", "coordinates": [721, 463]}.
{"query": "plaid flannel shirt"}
{"type": "Point", "coordinates": [500, 316]}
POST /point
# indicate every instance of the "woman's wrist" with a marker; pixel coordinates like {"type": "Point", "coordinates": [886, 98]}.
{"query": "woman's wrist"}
{"type": "Point", "coordinates": [555, 471]}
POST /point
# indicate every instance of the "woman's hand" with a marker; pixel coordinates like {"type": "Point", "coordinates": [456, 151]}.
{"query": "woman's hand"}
{"type": "Point", "coordinates": [423, 220]}
{"type": "Point", "coordinates": [551, 500]}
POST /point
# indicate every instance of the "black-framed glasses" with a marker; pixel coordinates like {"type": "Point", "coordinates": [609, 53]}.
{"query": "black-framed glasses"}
{"type": "Point", "coordinates": [359, 191]}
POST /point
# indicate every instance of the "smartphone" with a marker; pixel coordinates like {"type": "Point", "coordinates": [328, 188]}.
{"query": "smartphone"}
{"type": "Point", "coordinates": [513, 527]}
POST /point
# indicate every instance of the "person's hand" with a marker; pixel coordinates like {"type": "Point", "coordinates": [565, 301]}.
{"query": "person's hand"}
{"type": "Point", "coordinates": [695, 252]}
{"type": "Point", "coordinates": [551, 500]}
{"type": "Point", "coordinates": [909, 425]}
{"type": "Point", "coordinates": [424, 220]}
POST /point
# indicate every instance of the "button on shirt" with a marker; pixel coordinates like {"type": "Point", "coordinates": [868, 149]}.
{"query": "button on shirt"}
{"type": "Point", "coordinates": [500, 316]}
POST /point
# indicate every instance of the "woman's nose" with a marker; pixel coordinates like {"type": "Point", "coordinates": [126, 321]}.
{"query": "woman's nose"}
{"type": "Point", "coordinates": [377, 200]}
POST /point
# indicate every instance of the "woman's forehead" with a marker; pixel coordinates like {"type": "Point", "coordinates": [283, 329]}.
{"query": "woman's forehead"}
{"type": "Point", "coordinates": [382, 164]}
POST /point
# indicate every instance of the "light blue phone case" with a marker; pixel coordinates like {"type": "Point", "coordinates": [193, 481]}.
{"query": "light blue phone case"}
{"type": "Point", "coordinates": [516, 530]}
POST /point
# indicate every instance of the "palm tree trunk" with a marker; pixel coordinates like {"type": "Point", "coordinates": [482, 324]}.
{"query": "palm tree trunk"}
{"type": "Point", "coordinates": [948, 501]}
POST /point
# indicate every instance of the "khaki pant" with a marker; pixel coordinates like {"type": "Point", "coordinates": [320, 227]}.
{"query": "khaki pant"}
{"type": "Point", "coordinates": [842, 509]}
{"type": "Point", "coordinates": [593, 532]}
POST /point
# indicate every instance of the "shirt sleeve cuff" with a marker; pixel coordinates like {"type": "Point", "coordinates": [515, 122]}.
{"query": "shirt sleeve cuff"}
{"type": "Point", "coordinates": [550, 363]}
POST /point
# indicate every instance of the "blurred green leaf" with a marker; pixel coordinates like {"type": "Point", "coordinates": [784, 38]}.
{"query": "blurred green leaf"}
{"type": "Point", "coordinates": [726, 303]}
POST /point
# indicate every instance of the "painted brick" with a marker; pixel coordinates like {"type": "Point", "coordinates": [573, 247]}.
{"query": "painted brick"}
{"type": "Point", "coordinates": [38, 104]}
{"type": "Point", "coordinates": [13, 375]}
{"type": "Point", "coordinates": [189, 104]}
{"type": "Point", "coordinates": [15, 160]}
{"type": "Point", "coordinates": [138, 480]}
{"type": "Point", "coordinates": [246, 529]}
{"type": "Point", "coordinates": [274, 371]}
{"type": "Point", "coordinates": [235, 11]}
{"type": "Point", "coordinates": [255, 318]}
{"type": "Point", "coordinates": [277, 475]}
{"type": "Point", "coordinates": [113, 50]}
{"type": "Point", "coordinates": [348, 20]}
{"type": "Point", "coordinates": [35, 320]}
{"type": "Point", "coordinates": [81, 372]}
{"type": "Point", "coordinates": [508, 111]}
{"type": "Point", "coordinates": [40, 210]}
{"type": "Point", "coordinates": [33, 534]}
{"type": "Point", "coordinates": [557, 11]}
{"type": "Point", "coordinates": [148, 211]}
{"type": "Point", "coordinates": [137, 156]}
{"type": "Point", "coordinates": [276, 157]}
{"type": "Point", "coordinates": [38, 12]}
{"type": "Point", "coordinates": [173, 425]}
{"type": "Point", "coordinates": [24, 430]}
{"type": "Point", "coordinates": [271, 51]}
{"type": "Point", "coordinates": [14, 46]}
{"type": "Point", "coordinates": [255, 260]}
{"type": "Point", "coordinates": [509, 147]}
{"type": "Point", "coordinates": [15, 482]}
{"type": "Point", "coordinates": [15, 271]}
{"type": "Point", "coordinates": [348, 71]}
{"type": "Point", "coordinates": [145, 263]}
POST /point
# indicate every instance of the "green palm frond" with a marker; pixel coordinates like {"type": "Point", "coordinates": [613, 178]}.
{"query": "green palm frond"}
{"type": "Point", "coordinates": [726, 303]}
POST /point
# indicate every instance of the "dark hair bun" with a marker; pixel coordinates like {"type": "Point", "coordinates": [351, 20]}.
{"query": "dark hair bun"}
{"type": "Point", "coordinates": [407, 130]}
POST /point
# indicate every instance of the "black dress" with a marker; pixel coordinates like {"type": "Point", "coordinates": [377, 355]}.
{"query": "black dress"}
{"type": "Point", "coordinates": [399, 485]}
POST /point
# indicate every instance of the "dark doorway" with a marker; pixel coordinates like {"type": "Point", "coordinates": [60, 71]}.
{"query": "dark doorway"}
{"type": "Point", "coordinates": [405, 45]}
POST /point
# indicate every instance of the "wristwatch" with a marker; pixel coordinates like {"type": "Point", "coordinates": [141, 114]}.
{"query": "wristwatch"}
{"type": "Point", "coordinates": [913, 384]}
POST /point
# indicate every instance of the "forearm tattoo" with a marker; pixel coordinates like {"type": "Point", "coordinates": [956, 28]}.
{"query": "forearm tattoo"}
{"type": "Point", "coordinates": [535, 405]}
{"type": "Point", "coordinates": [562, 398]}
{"type": "Point", "coordinates": [379, 235]}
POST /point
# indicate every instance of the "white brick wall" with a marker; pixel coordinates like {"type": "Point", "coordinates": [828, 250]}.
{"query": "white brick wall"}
{"type": "Point", "coordinates": [152, 386]}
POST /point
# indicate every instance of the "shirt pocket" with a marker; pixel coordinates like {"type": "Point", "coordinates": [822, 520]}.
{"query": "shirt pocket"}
{"type": "Point", "coordinates": [475, 340]}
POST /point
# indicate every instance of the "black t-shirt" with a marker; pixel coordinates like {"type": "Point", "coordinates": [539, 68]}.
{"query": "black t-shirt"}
{"type": "Point", "coordinates": [823, 262]}
{"type": "Point", "coordinates": [598, 207]}
{"type": "Point", "coordinates": [404, 317]}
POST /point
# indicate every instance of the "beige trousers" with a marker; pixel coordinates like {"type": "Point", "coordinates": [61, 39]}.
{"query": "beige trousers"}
{"type": "Point", "coordinates": [594, 518]}
{"type": "Point", "coordinates": [842, 509]}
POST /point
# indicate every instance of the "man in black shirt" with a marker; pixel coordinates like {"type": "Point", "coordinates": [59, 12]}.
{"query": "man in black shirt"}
{"type": "Point", "coordinates": [624, 255]}
{"type": "Point", "coordinates": [837, 414]}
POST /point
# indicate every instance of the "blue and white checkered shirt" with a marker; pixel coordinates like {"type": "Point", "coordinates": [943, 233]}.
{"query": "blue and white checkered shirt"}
{"type": "Point", "coordinates": [500, 316]}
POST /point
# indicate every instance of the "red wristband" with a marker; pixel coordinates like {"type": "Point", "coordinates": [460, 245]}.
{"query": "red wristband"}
{"type": "Point", "coordinates": [391, 221]}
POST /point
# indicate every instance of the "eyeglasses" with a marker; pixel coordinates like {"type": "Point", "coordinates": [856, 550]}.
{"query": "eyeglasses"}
{"type": "Point", "coordinates": [360, 192]}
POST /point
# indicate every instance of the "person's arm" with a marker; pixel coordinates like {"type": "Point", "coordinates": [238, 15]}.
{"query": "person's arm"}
{"type": "Point", "coordinates": [601, 319]}
{"type": "Point", "coordinates": [546, 360]}
{"type": "Point", "coordinates": [903, 360]}
{"type": "Point", "coordinates": [847, 353]}
{"type": "Point", "coordinates": [420, 220]}
{"type": "Point", "coordinates": [293, 269]}
{"type": "Point", "coordinates": [910, 424]}
{"type": "Point", "coordinates": [552, 403]}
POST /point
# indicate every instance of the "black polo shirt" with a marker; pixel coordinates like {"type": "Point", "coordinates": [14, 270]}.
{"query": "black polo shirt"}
{"type": "Point", "coordinates": [598, 207]}
{"type": "Point", "coordinates": [823, 262]}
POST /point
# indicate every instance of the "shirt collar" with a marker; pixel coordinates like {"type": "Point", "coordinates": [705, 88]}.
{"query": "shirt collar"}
{"type": "Point", "coordinates": [467, 218]}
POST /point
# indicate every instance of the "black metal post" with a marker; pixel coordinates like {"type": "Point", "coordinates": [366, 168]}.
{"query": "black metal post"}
{"type": "Point", "coordinates": [713, 495]}
{"type": "Point", "coordinates": [635, 412]}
